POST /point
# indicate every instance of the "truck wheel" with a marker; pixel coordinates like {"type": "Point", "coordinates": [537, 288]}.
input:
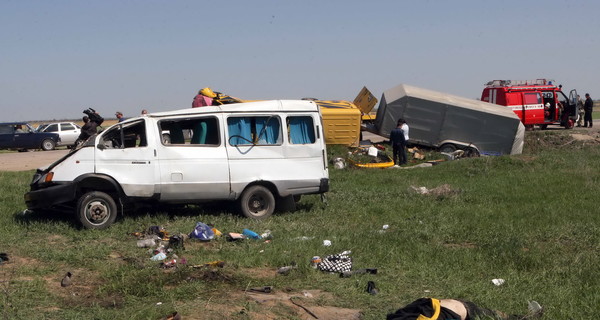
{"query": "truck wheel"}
{"type": "Point", "coordinates": [257, 202]}
{"type": "Point", "coordinates": [448, 148]}
{"type": "Point", "coordinates": [96, 210]}
{"type": "Point", "coordinates": [48, 144]}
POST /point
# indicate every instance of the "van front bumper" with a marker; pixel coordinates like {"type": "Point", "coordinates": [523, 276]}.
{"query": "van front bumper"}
{"type": "Point", "coordinates": [324, 185]}
{"type": "Point", "coordinates": [50, 196]}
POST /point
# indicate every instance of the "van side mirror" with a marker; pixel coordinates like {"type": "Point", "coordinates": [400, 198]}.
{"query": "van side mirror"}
{"type": "Point", "coordinates": [101, 146]}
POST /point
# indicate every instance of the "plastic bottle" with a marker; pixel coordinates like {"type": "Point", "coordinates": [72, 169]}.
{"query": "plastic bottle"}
{"type": "Point", "coordinates": [250, 234]}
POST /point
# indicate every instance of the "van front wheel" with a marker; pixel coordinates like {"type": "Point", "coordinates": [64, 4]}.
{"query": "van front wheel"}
{"type": "Point", "coordinates": [96, 210]}
{"type": "Point", "coordinates": [257, 202]}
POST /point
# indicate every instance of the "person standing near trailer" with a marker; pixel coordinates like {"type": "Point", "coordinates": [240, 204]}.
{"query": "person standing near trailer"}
{"type": "Point", "coordinates": [588, 108]}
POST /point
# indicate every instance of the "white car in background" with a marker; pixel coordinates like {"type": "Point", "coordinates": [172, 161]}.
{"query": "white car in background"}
{"type": "Point", "coordinates": [68, 131]}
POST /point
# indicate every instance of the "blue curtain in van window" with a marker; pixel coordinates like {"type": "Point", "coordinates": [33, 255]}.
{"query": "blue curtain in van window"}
{"type": "Point", "coordinates": [239, 127]}
{"type": "Point", "coordinates": [301, 130]}
{"type": "Point", "coordinates": [268, 130]}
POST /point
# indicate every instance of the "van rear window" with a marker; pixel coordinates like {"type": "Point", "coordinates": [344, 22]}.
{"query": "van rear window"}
{"type": "Point", "coordinates": [301, 130]}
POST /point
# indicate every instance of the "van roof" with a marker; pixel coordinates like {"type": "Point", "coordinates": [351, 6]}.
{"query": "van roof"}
{"type": "Point", "coordinates": [257, 106]}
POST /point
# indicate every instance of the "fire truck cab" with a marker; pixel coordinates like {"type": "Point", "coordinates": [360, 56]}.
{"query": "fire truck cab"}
{"type": "Point", "coordinates": [536, 102]}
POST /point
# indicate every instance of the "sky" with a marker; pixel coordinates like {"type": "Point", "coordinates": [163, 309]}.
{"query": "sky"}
{"type": "Point", "coordinates": [58, 58]}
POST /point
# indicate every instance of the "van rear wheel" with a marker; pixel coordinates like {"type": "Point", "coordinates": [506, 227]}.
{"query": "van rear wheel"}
{"type": "Point", "coordinates": [257, 202]}
{"type": "Point", "coordinates": [96, 210]}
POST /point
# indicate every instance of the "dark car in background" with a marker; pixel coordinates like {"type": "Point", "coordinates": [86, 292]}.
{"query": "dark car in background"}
{"type": "Point", "coordinates": [21, 136]}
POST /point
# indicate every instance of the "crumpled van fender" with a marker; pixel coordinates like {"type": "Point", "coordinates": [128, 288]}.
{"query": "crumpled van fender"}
{"type": "Point", "coordinates": [97, 182]}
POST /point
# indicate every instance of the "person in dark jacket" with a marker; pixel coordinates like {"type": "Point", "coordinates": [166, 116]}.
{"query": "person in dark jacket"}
{"type": "Point", "coordinates": [588, 108]}
{"type": "Point", "coordinates": [398, 142]}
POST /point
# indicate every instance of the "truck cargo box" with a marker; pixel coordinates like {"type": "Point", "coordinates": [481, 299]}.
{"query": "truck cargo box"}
{"type": "Point", "coordinates": [450, 122]}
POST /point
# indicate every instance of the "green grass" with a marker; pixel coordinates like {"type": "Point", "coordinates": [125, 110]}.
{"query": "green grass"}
{"type": "Point", "coordinates": [531, 220]}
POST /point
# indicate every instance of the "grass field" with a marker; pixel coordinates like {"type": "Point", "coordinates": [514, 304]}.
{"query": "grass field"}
{"type": "Point", "coordinates": [532, 220]}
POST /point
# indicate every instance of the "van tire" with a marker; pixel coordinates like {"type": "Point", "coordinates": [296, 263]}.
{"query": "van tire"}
{"type": "Point", "coordinates": [96, 210]}
{"type": "Point", "coordinates": [257, 202]}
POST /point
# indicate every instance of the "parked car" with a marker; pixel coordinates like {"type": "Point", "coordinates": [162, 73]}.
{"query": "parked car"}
{"type": "Point", "coordinates": [21, 136]}
{"type": "Point", "coordinates": [68, 131]}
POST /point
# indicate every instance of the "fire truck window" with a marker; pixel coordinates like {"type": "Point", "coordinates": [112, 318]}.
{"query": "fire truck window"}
{"type": "Point", "coordinates": [532, 98]}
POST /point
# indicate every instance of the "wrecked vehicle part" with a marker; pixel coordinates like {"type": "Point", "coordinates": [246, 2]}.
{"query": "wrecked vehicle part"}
{"type": "Point", "coordinates": [442, 120]}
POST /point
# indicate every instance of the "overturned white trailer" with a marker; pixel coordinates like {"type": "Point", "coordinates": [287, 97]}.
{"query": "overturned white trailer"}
{"type": "Point", "coordinates": [450, 122]}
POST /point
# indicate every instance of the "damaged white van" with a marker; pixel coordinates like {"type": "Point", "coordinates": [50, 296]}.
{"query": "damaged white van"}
{"type": "Point", "coordinates": [259, 154]}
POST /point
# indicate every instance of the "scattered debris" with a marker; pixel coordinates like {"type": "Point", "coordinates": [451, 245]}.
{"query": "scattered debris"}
{"type": "Point", "coordinates": [340, 262]}
{"type": "Point", "coordinates": [202, 232]}
{"type": "Point", "coordinates": [251, 234]}
{"type": "Point", "coordinates": [371, 288]}
{"type": "Point", "coordinates": [265, 289]}
{"type": "Point", "coordinates": [327, 243]}
{"type": "Point", "coordinates": [339, 163]}
{"type": "Point", "coordinates": [172, 316]}
{"type": "Point", "coordinates": [286, 270]}
{"type": "Point", "coordinates": [498, 282]}
{"type": "Point", "coordinates": [67, 280]}
{"type": "Point", "coordinates": [420, 165]}
{"type": "Point", "coordinates": [441, 191]}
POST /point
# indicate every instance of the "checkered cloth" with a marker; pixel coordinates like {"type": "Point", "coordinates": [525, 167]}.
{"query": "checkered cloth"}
{"type": "Point", "coordinates": [340, 262]}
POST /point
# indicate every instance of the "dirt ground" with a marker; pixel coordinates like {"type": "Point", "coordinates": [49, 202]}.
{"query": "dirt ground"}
{"type": "Point", "coordinates": [23, 161]}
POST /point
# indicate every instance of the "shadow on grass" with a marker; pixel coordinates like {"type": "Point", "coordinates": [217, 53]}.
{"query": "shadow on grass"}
{"type": "Point", "coordinates": [171, 211]}
{"type": "Point", "coordinates": [28, 217]}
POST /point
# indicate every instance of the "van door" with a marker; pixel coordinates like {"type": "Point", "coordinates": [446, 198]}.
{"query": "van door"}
{"type": "Point", "coordinates": [255, 149]}
{"type": "Point", "coordinates": [124, 154]}
{"type": "Point", "coordinates": [193, 161]}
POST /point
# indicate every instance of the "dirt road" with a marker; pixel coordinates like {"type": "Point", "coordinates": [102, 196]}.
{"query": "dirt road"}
{"type": "Point", "coordinates": [23, 161]}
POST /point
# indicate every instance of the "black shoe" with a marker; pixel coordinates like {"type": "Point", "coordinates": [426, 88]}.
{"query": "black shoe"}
{"type": "Point", "coordinates": [371, 288]}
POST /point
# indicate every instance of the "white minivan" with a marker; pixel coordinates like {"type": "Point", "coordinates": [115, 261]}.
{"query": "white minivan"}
{"type": "Point", "coordinates": [256, 153]}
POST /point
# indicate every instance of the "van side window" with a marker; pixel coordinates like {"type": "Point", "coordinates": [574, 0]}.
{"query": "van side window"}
{"type": "Point", "coordinates": [128, 135]}
{"type": "Point", "coordinates": [301, 130]}
{"type": "Point", "coordinates": [263, 130]}
{"type": "Point", "coordinates": [190, 131]}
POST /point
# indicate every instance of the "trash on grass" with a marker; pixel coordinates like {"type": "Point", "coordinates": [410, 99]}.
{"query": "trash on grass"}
{"type": "Point", "coordinates": [212, 264]}
{"type": "Point", "coordinates": [250, 234]}
{"type": "Point", "coordinates": [202, 232]}
{"type": "Point", "coordinates": [441, 191]}
{"type": "Point", "coordinates": [498, 282]}
{"type": "Point", "coordinates": [339, 163]}
{"type": "Point", "coordinates": [267, 235]}
{"type": "Point", "coordinates": [159, 256]}
{"type": "Point", "coordinates": [340, 262]}
{"type": "Point", "coordinates": [264, 289]}
{"type": "Point", "coordinates": [327, 243]}
{"type": "Point", "coordinates": [233, 236]}
{"type": "Point", "coordinates": [145, 243]}
{"type": "Point", "coordinates": [371, 288]}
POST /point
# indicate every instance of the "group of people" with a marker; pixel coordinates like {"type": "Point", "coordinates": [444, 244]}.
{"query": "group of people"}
{"type": "Point", "coordinates": [399, 140]}
{"type": "Point", "coordinates": [584, 110]}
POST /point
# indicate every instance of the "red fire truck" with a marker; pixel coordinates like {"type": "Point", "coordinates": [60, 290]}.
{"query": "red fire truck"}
{"type": "Point", "coordinates": [536, 102]}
